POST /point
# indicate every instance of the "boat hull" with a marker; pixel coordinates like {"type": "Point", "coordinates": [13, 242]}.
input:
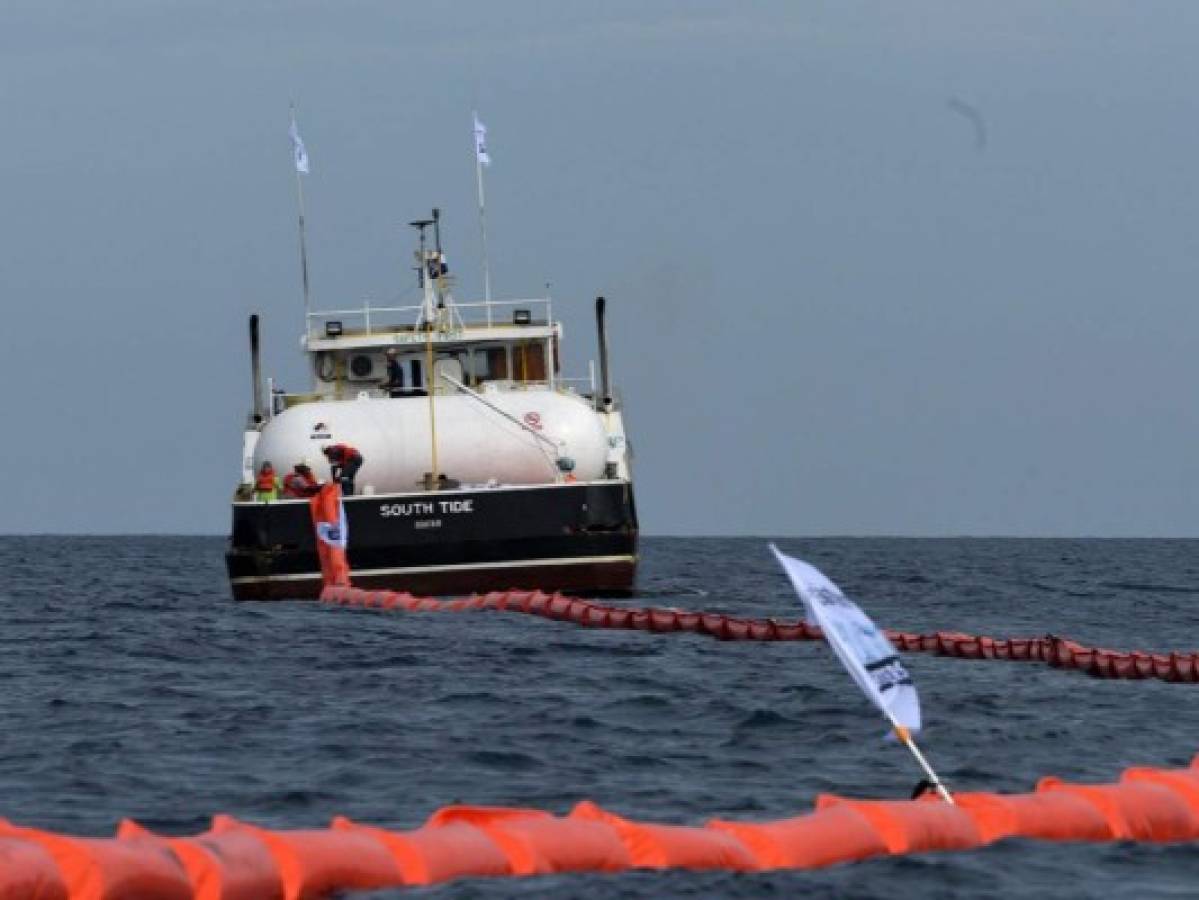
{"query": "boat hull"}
{"type": "Point", "coordinates": [576, 537]}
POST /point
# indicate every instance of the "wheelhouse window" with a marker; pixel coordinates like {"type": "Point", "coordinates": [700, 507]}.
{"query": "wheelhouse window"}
{"type": "Point", "coordinates": [528, 361]}
{"type": "Point", "coordinates": [490, 364]}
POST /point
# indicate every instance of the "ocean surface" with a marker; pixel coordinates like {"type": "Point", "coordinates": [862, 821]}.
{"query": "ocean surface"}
{"type": "Point", "coordinates": [131, 685]}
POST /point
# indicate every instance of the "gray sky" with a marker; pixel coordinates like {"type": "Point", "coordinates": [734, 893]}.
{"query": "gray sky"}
{"type": "Point", "coordinates": [835, 308]}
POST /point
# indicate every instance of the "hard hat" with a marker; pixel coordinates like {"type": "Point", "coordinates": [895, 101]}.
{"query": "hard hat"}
{"type": "Point", "coordinates": [392, 351]}
{"type": "Point", "coordinates": [304, 464]}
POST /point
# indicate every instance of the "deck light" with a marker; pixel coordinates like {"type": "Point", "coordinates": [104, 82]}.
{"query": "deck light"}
{"type": "Point", "coordinates": [332, 329]}
{"type": "Point", "coordinates": [521, 317]}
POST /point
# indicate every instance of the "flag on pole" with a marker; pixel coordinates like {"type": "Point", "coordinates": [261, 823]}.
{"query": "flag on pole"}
{"type": "Point", "coordinates": [481, 153]}
{"type": "Point", "coordinates": [332, 535]}
{"type": "Point", "coordinates": [297, 147]}
{"type": "Point", "coordinates": [862, 648]}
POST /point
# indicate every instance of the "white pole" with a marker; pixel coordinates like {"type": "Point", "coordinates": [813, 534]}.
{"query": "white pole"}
{"type": "Point", "coordinates": [303, 250]}
{"type": "Point", "coordinates": [906, 736]}
{"type": "Point", "coordinates": [483, 229]}
{"type": "Point", "coordinates": [483, 232]}
{"type": "Point", "coordinates": [303, 240]}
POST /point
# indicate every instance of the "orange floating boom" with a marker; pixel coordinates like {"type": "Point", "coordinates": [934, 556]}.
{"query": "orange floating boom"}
{"type": "Point", "coordinates": [235, 860]}
{"type": "Point", "coordinates": [1058, 652]}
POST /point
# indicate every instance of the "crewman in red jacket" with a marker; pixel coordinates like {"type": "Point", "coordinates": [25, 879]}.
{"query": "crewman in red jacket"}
{"type": "Point", "coordinates": [344, 463]}
{"type": "Point", "coordinates": [299, 482]}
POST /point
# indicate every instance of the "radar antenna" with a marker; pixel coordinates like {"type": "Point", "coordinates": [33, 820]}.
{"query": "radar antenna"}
{"type": "Point", "coordinates": [420, 225]}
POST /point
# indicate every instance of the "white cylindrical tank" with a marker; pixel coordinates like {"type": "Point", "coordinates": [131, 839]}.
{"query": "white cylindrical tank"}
{"type": "Point", "coordinates": [475, 444]}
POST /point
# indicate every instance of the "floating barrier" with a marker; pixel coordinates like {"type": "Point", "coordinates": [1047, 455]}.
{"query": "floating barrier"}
{"type": "Point", "coordinates": [1058, 652]}
{"type": "Point", "coordinates": [235, 860]}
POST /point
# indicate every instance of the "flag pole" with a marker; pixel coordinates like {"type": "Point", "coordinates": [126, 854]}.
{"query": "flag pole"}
{"type": "Point", "coordinates": [303, 236]}
{"type": "Point", "coordinates": [303, 249]}
{"type": "Point", "coordinates": [482, 221]}
{"type": "Point", "coordinates": [483, 230]}
{"type": "Point", "coordinates": [905, 735]}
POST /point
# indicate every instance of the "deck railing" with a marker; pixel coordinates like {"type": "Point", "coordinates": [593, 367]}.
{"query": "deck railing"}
{"type": "Point", "coordinates": [388, 319]}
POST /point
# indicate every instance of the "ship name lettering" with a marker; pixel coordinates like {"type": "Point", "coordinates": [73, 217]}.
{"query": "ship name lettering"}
{"type": "Point", "coordinates": [420, 508]}
{"type": "Point", "coordinates": [426, 508]}
{"type": "Point", "coordinates": [442, 335]}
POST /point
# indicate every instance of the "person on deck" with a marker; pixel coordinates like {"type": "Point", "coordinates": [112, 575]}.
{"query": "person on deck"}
{"type": "Point", "coordinates": [266, 485]}
{"type": "Point", "coordinates": [300, 481]}
{"type": "Point", "coordinates": [394, 385]}
{"type": "Point", "coordinates": [344, 463]}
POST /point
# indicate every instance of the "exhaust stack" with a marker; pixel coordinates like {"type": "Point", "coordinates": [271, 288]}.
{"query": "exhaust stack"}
{"type": "Point", "coordinates": [603, 402]}
{"type": "Point", "coordinates": [256, 371]}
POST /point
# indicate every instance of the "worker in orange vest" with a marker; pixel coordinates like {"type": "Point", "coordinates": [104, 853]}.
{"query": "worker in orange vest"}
{"type": "Point", "coordinates": [266, 485]}
{"type": "Point", "coordinates": [300, 481]}
{"type": "Point", "coordinates": [344, 463]}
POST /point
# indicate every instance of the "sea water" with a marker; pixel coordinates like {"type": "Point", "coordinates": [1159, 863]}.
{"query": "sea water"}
{"type": "Point", "coordinates": [131, 685]}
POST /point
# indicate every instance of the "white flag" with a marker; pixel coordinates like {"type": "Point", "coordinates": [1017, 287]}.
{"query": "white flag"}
{"type": "Point", "coordinates": [858, 643]}
{"type": "Point", "coordinates": [297, 148]}
{"type": "Point", "coordinates": [481, 143]}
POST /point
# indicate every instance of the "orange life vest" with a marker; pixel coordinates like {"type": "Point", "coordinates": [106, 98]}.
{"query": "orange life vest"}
{"type": "Point", "coordinates": [266, 481]}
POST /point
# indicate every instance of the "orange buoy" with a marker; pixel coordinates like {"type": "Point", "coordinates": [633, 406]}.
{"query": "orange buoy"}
{"type": "Point", "coordinates": [537, 843]}
{"type": "Point", "coordinates": [828, 836]}
{"type": "Point", "coordinates": [653, 846]}
{"type": "Point", "coordinates": [1135, 810]}
{"type": "Point", "coordinates": [432, 855]}
{"type": "Point", "coordinates": [110, 868]}
{"type": "Point", "coordinates": [315, 862]}
{"type": "Point", "coordinates": [912, 827]}
{"type": "Point", "coordinates": [225, 865]}
{"type": "Point", "coordinates": [28, 872]}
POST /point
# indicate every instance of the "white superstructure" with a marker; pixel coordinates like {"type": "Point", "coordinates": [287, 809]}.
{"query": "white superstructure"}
{"type": "Point", "coordinates": [480, 399]}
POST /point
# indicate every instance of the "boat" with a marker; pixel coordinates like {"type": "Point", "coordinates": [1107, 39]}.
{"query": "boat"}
{"type": "Point", "coordinates": [483, 468]}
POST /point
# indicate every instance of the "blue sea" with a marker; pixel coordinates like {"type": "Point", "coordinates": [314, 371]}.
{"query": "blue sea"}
{"type": "Point", "coordinates": [132, 686]}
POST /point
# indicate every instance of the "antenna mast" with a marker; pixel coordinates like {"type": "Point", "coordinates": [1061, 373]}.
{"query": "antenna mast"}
{"type": "Point", "coordinates": [422, 268]}
{"type": "Point", "coordinates": [439, 270]}
{"type": "Point", "coordinates": [431, 482]}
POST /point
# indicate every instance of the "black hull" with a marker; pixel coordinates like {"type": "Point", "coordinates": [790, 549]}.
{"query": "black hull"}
{"type": "Point", "coordinates": [571, 537]}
